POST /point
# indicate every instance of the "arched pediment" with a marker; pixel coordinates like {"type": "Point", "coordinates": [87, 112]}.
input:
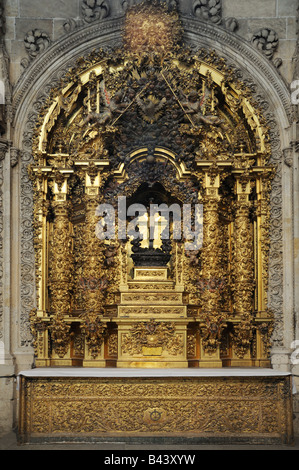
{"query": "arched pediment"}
{"type": "Point", "coordinates": [170, 103]}
{"type": "Point", "coordinates": [49, 67]}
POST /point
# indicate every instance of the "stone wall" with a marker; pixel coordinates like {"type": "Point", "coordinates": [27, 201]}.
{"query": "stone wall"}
{"type": "Point", "coordinates": [32, 29]}
{"type": "Point", "coordinates": [270, 24]}
{"type": "Point", "coordinates": [255, 18]}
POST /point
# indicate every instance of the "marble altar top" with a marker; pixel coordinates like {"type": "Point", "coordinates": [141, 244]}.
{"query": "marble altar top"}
{"type": "Point", "coordinates": [138, 372]}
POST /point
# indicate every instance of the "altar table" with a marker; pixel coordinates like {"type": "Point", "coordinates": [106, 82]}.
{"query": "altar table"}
{"type": "Point", "coordinates": [181, 406]}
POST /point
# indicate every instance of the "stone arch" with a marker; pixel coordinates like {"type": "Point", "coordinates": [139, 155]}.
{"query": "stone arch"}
{"type": "Point", "coordinates": [34, 87]}
{"type": "Point", "coordinates": [167, 172]}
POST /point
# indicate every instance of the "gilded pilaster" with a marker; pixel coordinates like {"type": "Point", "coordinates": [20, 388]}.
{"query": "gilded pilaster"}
{"type": "Point", "coordinates": [264, 316]}
{"type": "Point", "coordinates": [39, 317]}
{"type": "Point", "coordinates": [40, 332]}
{"type": "Point", "coordinates": [263, 187]}
{"type": "Point", "coordinates": [41, 206]}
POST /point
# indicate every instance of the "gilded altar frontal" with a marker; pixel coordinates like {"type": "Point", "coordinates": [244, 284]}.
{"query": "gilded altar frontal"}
{"type": "Point", "coordinates": [149, 220]}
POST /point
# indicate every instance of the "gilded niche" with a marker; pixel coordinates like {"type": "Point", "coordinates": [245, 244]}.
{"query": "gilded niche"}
{"type": "Point", "coordinates": [151, 123]}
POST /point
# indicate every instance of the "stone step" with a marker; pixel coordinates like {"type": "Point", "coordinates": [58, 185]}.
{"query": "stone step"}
{"type": "Point", "coordinates": [152, 311]}
{"type": "Point", "coordinates": [150, 285]}
{"type": "Point", "coordinates": [151, 298]}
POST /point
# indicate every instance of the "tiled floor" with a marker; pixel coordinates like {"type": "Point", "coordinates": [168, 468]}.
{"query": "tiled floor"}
{"type": "Point", "coordinates": [9, 442]}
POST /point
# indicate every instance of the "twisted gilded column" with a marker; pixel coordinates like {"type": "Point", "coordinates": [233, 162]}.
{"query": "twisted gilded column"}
{"type": "Point", "coordinates": [211, 324]}
{"type": "Point", "coordinates": [61, 271]}
{"type": "Point", "coordinates": [93, 273]}
{"type": "Point", "coordinates": [243, 273]}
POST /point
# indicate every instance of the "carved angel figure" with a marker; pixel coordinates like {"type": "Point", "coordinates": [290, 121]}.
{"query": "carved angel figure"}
{"type": "Point", "coordinates": [193, 107]}
{"type": "Point", "coordinates": [111, 255]}
{"type": "Point", "coordinates": [112, 106]}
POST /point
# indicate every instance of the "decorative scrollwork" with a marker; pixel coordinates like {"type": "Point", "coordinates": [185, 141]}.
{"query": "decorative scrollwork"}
{"type": "Point", "coordinates": [36, 41]}
{"type": "Point", "coordinates": [152, 334]}
{"type": "Point", "coordinates": [93, 10]}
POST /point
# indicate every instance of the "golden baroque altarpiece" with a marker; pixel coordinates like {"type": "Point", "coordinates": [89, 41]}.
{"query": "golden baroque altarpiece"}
{"type": "Point", "coordinates": [151, 122]}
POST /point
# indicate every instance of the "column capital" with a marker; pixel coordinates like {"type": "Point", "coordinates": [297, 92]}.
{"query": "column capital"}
{"type": "Point", "coordinates": [93, 174]}
{"type": "Point", "coordinates": [60, 180]}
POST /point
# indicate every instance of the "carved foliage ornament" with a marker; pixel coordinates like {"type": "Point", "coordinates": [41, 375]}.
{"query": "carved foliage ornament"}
{"type": "Point", "coordinates": [60, 334]}
{"type": "Point", "coordinates": [36, 41]}
{"type": "Point", "coordinates": [152, 335]}
{"type": "Point", "coordinates": [266, 40]}
{"type": "Point", "coordinates": [94, 330]}
{"type": "Point", "coordinates": [93, 10]}
{"type": "Point", "coordinates": [210, 10]}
